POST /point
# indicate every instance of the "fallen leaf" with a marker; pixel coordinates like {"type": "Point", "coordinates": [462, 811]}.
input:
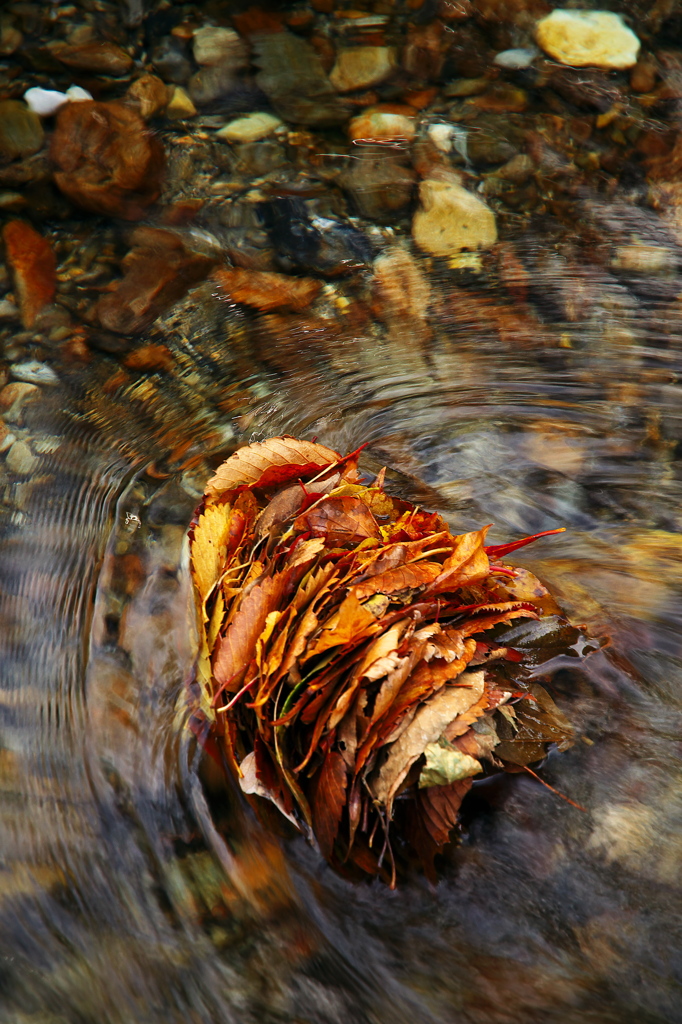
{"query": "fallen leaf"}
{"type": "Point", "coordinates": [403, 577]}
{"type": "Point", "coordinates": [445, 765]}
{"type": "Point", "coordinates": [427, 725]}
{"type": "Point", "coordinates": [341, 521]}
{"type": "Point", "coordinates": [248, 464]}
{"type": "Point", "coordinates": [328, 800]}
{"type": "Point", "coordinates": [237, 647]}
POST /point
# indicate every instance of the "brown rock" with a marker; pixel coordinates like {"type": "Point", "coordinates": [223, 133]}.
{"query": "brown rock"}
{"type": "Point", "coordinates": [425, 49]}
{"type": "Point", "coordinates": [383, 124]}
{"type": "Point", "coordinates": [99, 58]}
{"type": "Point", "coordinates": [266, 290]}
{"type": "Point", "coordinates": [149, 95]}
{"type": "Point", "coordinates": [401, 293]}
{"type": "Point", "coordinates": [643, 75]}
{"type": "Point", "coordinates": [13, 398]}
{"type": "Point", "coordinates": [501, 98]}
{"type": "Point", "coordinates": [107, 161]}
{"type": "Point", "coordinates": [32, 264]}
{"type": "Point", "coordinates": [149, 357]}
{"type": "Point", "coordinates": [379, 183]}
{"type": "Point", "coordinates": [158, 271]}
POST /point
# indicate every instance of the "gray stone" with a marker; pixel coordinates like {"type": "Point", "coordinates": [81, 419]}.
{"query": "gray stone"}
{"type": "Point", "coordinates": [20, 459]}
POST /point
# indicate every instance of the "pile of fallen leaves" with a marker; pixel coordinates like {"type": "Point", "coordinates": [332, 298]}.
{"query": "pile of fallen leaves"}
{"type": "Point", "coordinates": [353, 668]}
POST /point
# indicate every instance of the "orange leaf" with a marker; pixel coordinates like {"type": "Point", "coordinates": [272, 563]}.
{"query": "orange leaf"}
{"type": "Point", "coordinates": [236, 648]}
{"type": "Point", "coordinates": [248, 464]}
{"type": "Point", "coordinates": [467, 563]}
{"type": "Point", "coordinates": [352, 622]}
{"type": "Point", "coordinates": [403, 577]}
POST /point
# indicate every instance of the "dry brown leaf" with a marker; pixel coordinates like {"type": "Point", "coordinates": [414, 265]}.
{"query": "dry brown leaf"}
{"type": "Point", "coordinates": [467, 563]}
{"type": "Point", "coordinates": [329, 800]}
{"type": "Point", "coordinates": [236, 648]}
{"type": "Point", "coordinates": [403, 577]}
{"type": "Point", "coordinates": [426, 727]}
{"type": "Point", "coordinates": [248, 464]}
{"type": "Point", "coordinates": [341, 520]}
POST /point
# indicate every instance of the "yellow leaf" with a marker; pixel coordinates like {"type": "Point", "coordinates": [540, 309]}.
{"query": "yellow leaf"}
{"type": "Point", "coordinates": [209, 548]}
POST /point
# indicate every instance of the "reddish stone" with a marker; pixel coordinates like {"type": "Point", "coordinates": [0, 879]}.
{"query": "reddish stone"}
{"type": "Point", "coordinates": [425, 50]}
{"type": "Point", "coordinates": [32, 264]}
{"type": "Point", "coordinates": [158, 271]}
{"type": "Point", "coordinates": [255, 19]}
{"type": "Point", "coordinates": [150, 357]}
{"type": "Point", "coordinates": [420, 98]}
{"type": "Point", "coordinates": [107, 160]}
{"type": "Point", "coordinates": [266, 290]}
{"type": "Point", "coordinates": [99, 58]}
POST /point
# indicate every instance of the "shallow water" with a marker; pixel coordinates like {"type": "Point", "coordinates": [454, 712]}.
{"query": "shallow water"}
{"type": "Point", "coordinates": [132, 888]}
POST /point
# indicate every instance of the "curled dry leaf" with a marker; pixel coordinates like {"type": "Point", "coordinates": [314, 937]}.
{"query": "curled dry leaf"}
{"type": "Point", "coordinates": [357, 665]}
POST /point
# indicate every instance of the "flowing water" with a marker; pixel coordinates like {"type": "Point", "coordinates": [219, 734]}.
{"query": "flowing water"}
{"type": "Point", "coordinates": [132, 887]}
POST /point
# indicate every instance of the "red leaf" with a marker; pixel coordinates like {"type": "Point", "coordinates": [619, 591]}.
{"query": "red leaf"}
{"type": "Point", "coordinates": [500, 550]}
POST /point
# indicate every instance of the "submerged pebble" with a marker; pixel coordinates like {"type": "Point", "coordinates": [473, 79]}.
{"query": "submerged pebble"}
{"type": "Point", "coordinates": [362, 66]}
{"type": "Point", "coordinates": [583, 38]}
{"type": "Point", "coordinates": [250, 128]}
{"type": "Point", "coordinates": [451, 218]}
{"type": "Point", "coordinates": [21, 132]}
{"type": "Point", "coordinates": [515, 58]}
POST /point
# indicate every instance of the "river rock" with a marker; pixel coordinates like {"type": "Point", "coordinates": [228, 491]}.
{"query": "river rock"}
{"type": "Point", "coordinates": [98, 58]}
{"type": "Point", "coordinates": [360, 67]}
{"type": "Point", "coordinates": [20, 459]}
{"type": "Point", "coordinates": [14, 397]}
{"type": "Point", "coordinates": [214, 46]}
{"type": "Point", "coordinates": [249, 128]}
{"type": "Point", "coordinates": [32, 265]}
{"type": "Point", "coordinates": [379, 183]}
{"type": "Point", "coordinates": [158, 270]}
{"type": "Point", "coordinates": [179, 105]}
{"type": "Point", "coordinates": [149, 95]}
{"type": "Point", "coordinates": [45, 102]}
{"type": "Point", "coordinates": [451, 218]}
{"type": "Point", "coordinates": [377, 125]}
{"type": "Point", "coordinates": [169, 59]}
{"type": "Point", "coordinates": [107, 161]}
{"type": "Point", "coordinates": [293, 78]}
{"type": "Point", "coordinates": [267, 291]}
{"type": "Point", "coordinates": [588, 38]}
{"type": "Point", "coordinates": [21, 132]}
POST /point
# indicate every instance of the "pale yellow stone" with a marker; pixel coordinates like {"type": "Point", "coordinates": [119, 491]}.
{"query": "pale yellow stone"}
{"type": "Point", "coordinates": [451, 219]}
{"type": "Point", "coordinates": [250, 128]}
{"type": "Point", "coordinates": [362, 66]}
{"type": "Point", "coordinates": [180, 105]}
{"type": "Point", "coordinates": [381, 126]}
{"type": "Point", "coordinates": [588, 39]}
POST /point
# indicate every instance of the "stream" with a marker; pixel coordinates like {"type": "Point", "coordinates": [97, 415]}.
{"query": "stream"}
{"type": "Point", "coordinates": [133, 887]}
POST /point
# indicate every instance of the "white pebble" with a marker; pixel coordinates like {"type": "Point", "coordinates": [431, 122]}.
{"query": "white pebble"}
{"type": "Point", "coordinates": [441, 136]}
{"type": "Point", "coordinates": [44, 102]}
{"type": "Point", "coordinates": [34, 372]}
{"type": "Point", "coordinates": [515, 59]}
{"type": "Point", "coordinates": [77, 95]}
